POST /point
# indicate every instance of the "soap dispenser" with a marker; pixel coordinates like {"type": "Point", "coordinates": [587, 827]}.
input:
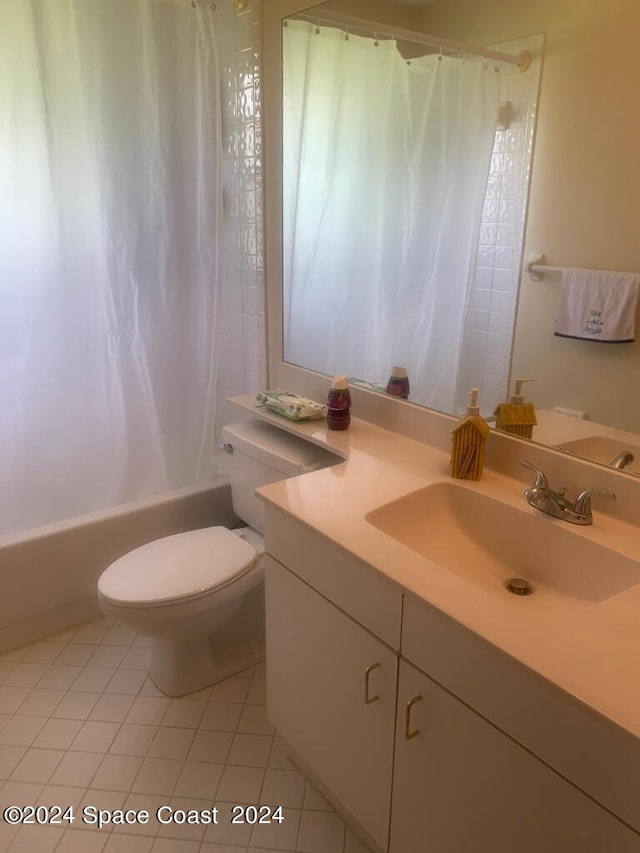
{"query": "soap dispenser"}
{"type": "Point", "coordinates": [516, 416]}
{"type": "Point", "coordinates": [468, 442]}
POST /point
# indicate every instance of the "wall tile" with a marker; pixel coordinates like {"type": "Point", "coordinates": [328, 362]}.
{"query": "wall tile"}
{"type": "Point", "coordinates": [236, 353]}
{"type": "Point", "coordinates": [233, 294]}
{"type": "Point", "coordinates": [242, 343]}
{"type": "Point", "coordinates": [250, 330]}
{"type": "Point", "coordinates": [236, 325]}
{"type": "Point", "coordinates": [250, 301]}
{"type": "Point", "coordinates": [486, 349]}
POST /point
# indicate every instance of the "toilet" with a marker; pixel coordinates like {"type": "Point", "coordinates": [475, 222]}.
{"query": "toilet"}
{"type": "Point", "coordinates": [200, 595]}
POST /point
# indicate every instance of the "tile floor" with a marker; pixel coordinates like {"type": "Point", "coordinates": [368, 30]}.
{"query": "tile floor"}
{"type": "Point", "coordinates": [82, 724]}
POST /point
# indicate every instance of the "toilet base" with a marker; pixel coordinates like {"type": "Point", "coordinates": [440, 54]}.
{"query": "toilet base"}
{"type": "Point", "coordinates": [184, 667]}
{"type": "Point", "coordinates": [234, 640]}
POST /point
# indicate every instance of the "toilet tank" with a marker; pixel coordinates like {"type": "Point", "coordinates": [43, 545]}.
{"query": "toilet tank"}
{"type": "Point", "coordinates": [260, 454]}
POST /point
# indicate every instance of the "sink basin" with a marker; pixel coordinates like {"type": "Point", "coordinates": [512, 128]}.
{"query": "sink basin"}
{"type": "Point", "coordinates": [602, 448]}
{"type": "Point", "coordinates": [488, 542]}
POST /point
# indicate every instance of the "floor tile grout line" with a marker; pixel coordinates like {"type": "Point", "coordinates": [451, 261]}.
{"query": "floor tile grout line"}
{"type": "Point", "coordinates": [238, 734]}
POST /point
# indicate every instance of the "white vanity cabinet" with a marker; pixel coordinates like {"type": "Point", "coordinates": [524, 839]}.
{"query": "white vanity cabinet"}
{"type": "Point", "coordinates": [445, 778]}
{"type": "Point", "coordinates": [460, 784]}
{"type": "Point", "coordinates": [332, 693]}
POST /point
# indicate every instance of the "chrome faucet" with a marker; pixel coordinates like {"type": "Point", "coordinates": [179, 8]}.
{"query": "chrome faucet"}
{"type": "Point", "coordinates": [621, 460]}
{"type": "Point", "coordinates": [541, 496]}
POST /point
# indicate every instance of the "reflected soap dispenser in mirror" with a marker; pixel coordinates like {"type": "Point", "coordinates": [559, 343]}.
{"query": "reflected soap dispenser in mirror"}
{"type": "Point", "coordinates": [398, 384]}
{"type": "Point", "coordinates": [516, 417]}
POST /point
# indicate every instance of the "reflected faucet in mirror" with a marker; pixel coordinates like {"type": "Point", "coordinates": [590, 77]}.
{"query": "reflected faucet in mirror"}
{"type": "Point", "coordinates": [621, 460]}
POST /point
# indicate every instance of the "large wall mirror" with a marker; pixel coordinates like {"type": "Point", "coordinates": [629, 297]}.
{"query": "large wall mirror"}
{"type": "Point", "coordinates": [413, 192]}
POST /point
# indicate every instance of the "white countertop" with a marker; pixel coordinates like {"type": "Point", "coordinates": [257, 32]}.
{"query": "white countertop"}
{"type": "Point", "coordinates": [588, 649]}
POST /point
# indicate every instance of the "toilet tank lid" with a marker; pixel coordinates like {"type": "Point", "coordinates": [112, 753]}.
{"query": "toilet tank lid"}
{"type": "Point", "coordinates": [185, 565]}
{"type": "Point", "coordinates": [279, 449]}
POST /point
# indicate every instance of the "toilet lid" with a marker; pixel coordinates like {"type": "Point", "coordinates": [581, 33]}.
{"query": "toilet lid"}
{"type": "Point", "coordinates": [185, 565]}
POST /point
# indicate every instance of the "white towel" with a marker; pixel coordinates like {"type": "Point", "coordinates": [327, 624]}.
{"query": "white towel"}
{"type": "Point", "coordinates": [598, 306]}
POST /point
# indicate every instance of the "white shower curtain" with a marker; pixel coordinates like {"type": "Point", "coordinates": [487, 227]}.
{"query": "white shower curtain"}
{"type": "Point", "coordinates": [385, 172]}
{"type": "Point", "coordinates": [110, 224]}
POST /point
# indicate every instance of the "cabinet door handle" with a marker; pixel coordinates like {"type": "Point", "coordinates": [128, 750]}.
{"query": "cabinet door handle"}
{"type": "Point", "coordinates": [368, 700]}
{"type": "Point", "coordinates": [408, 734]}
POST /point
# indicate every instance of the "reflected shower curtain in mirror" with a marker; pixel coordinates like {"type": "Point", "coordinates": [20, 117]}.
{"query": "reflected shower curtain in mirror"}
{"type": "Point", "coordinates": [109, 226]}
{"type": "Point", "coordinates": [385, 170]}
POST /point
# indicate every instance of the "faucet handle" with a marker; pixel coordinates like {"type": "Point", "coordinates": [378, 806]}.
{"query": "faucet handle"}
{"type": "Point", "coordinates": [583, 501]}
{"type": "Point", "coordinates": [541, 480]}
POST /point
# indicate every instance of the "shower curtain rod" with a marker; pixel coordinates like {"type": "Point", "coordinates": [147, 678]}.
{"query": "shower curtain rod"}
{"type": "Point", "coordinates": [522, 61]}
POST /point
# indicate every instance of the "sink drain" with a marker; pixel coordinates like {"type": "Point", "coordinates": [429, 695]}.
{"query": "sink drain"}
{"type": "Point", "coordinates": [519, 586]}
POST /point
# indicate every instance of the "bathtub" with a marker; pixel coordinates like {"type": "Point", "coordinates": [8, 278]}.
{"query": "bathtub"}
{"type": "Point", "coordinates": [48, 575]}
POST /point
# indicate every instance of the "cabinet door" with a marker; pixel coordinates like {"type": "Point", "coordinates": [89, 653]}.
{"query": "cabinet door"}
{"type": "Point", "coordinates": [460, 784]}
{"type": "Point", "coordinates": [331, 690]}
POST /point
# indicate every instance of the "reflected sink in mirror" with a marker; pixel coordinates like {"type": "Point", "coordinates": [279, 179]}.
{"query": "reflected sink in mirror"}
{"type": "Point", "coordinates": [603, 449]}
{"type": "Point", "coordinates": [487, 542]}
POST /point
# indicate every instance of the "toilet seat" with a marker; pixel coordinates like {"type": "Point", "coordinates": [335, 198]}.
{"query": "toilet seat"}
{"type": "Point", "coordinates": [178, 568]}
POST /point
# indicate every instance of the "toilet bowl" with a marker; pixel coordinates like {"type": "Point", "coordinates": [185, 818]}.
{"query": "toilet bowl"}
{"type": "Point", "coordinates": [200, 594]}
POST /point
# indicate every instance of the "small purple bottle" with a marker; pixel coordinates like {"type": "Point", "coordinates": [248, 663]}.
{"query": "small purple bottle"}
{"type": "Point", "coordinates": [398, 384]}
{"type": "Point", "coordinates": [339, 403]}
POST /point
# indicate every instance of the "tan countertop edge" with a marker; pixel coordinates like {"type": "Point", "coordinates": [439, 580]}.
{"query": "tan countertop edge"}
{"type": "Point", "coordinates": [590, 653]}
